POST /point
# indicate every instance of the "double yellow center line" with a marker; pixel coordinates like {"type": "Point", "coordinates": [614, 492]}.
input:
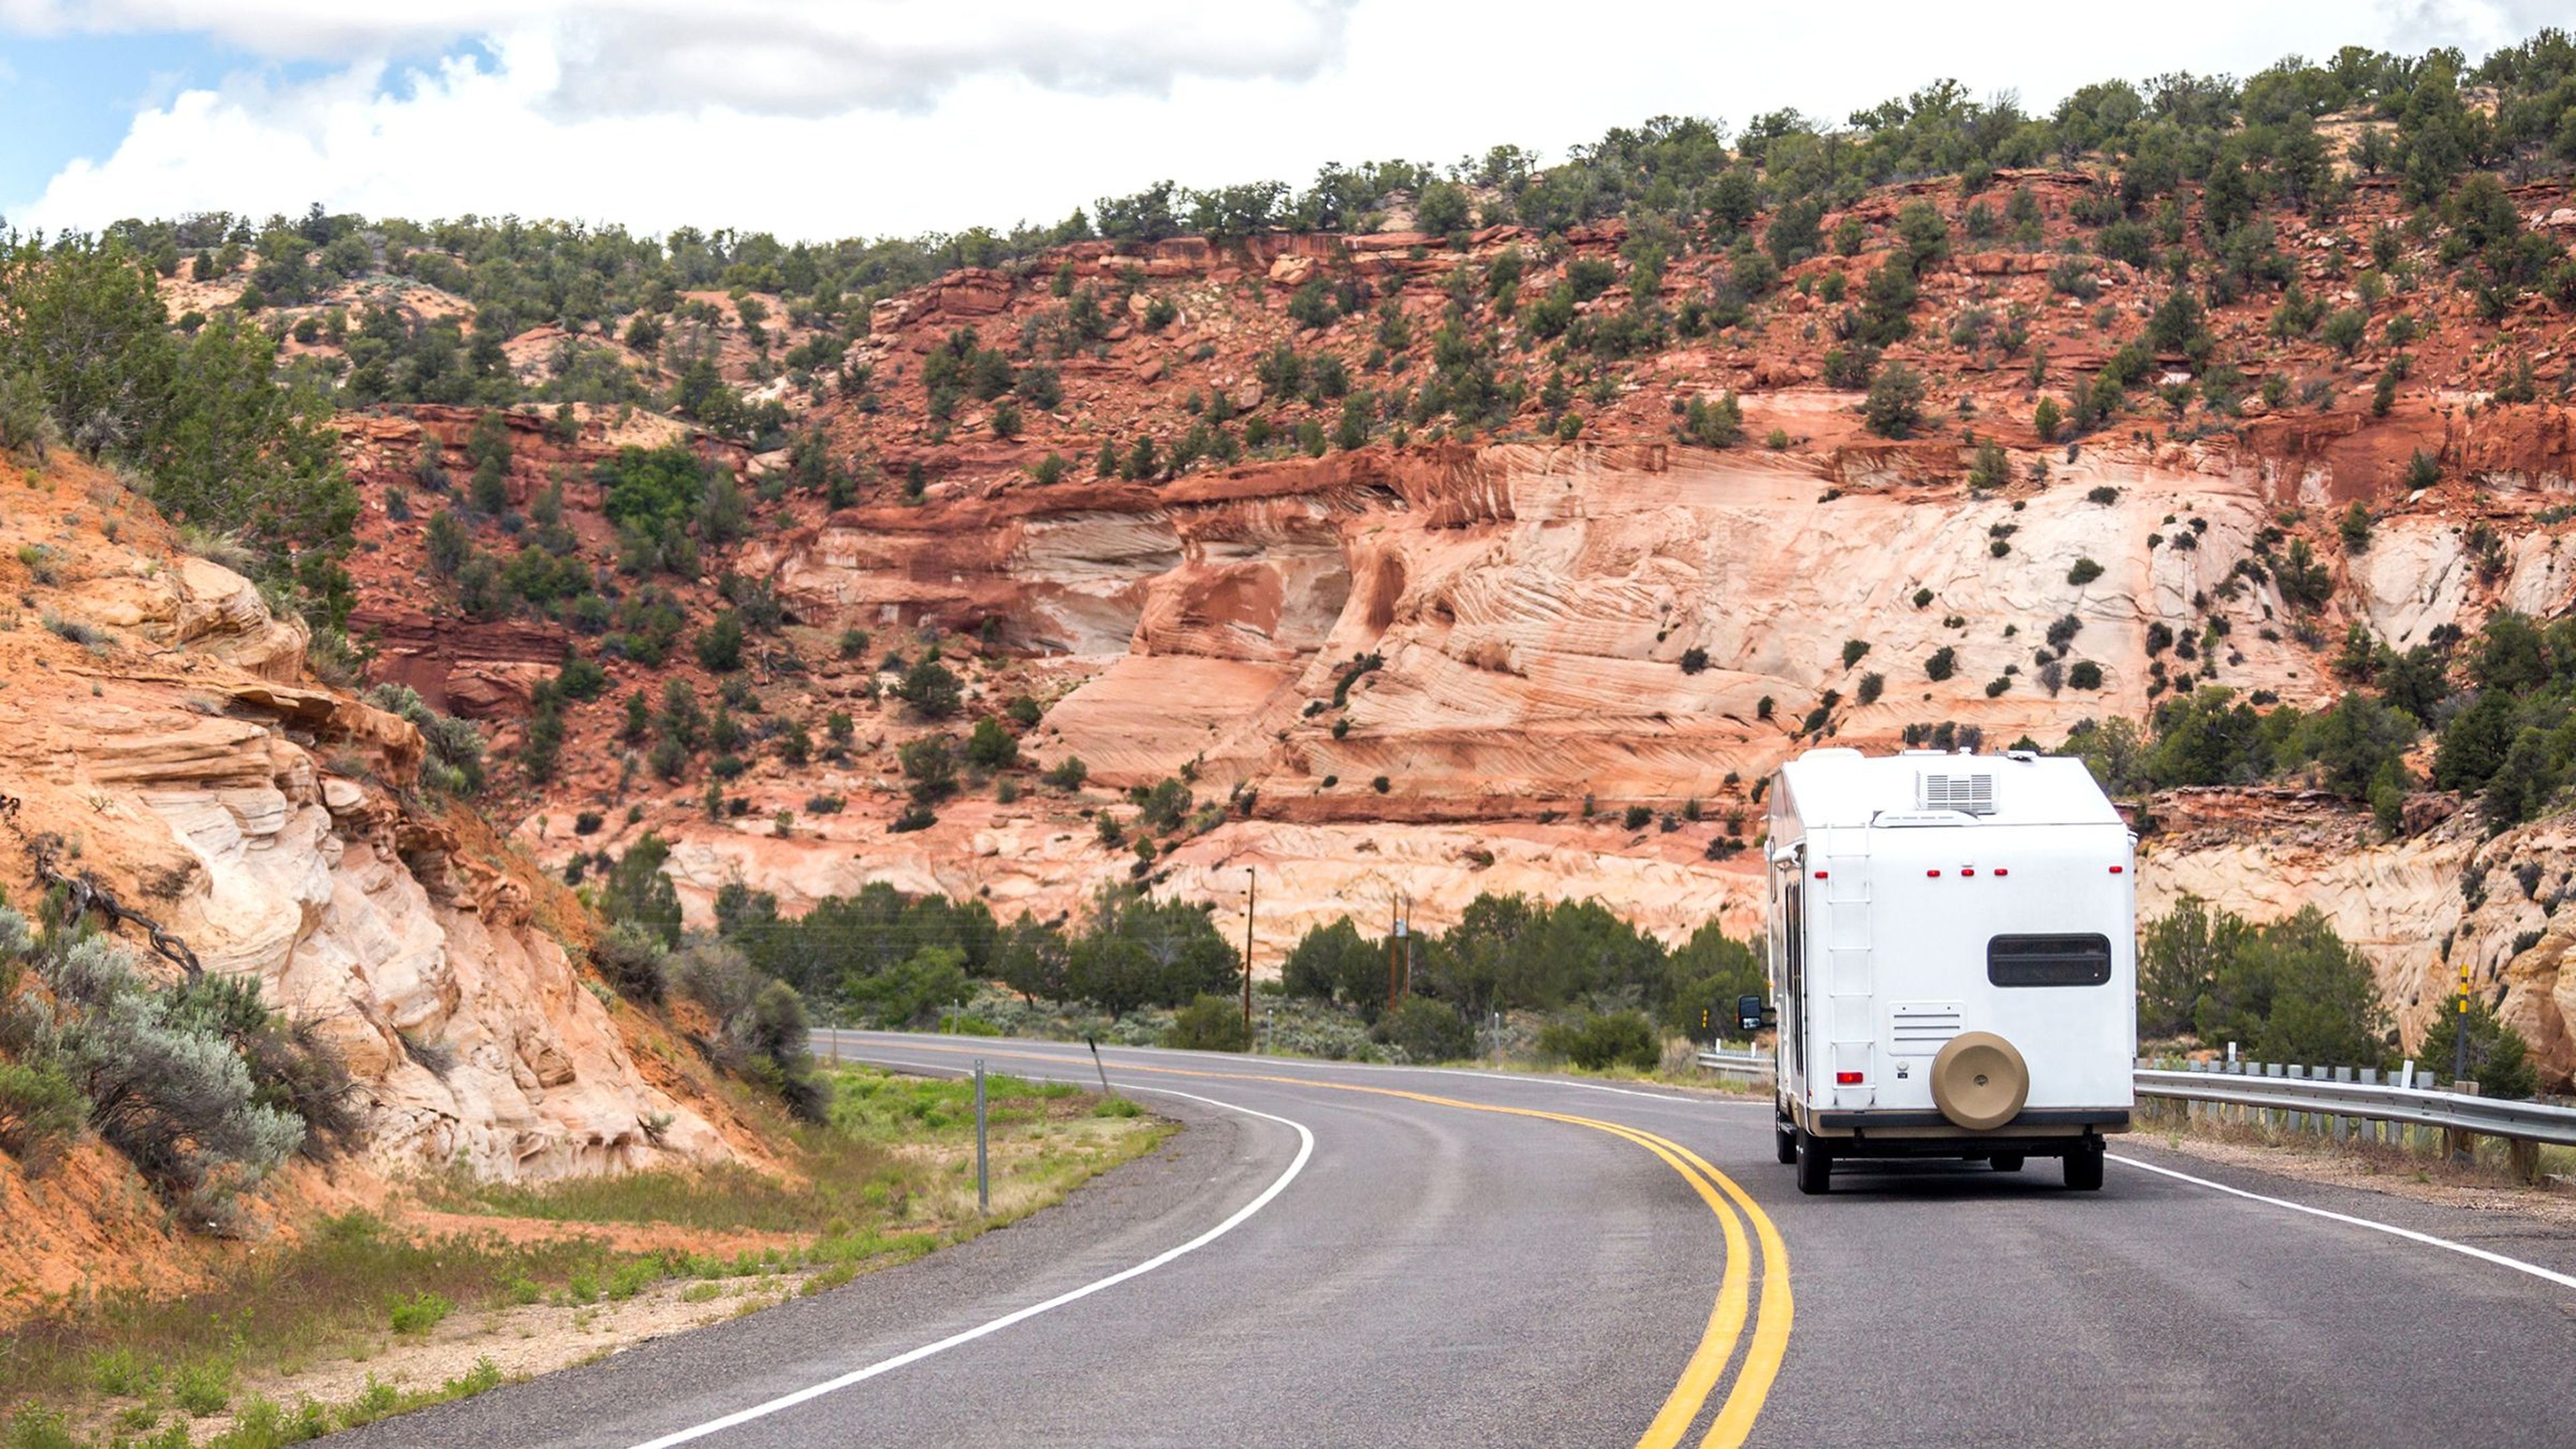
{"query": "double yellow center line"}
{"type": "Point", "coordinates": [1733, 1208]}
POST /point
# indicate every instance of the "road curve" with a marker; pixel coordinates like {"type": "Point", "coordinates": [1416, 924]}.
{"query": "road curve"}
{"type": "Point", "coordinates": [1338, 1254]}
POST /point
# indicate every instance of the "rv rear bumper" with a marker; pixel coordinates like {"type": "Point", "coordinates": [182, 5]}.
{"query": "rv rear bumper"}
{"type": "Point", "coordinates": [2035, 1121]}
{"type": "Point", "coordinates": [1913, 1132]}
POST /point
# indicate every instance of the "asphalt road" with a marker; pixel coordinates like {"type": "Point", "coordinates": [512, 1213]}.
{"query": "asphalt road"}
{"type": "Point", "coordinates": [1410, 1256]}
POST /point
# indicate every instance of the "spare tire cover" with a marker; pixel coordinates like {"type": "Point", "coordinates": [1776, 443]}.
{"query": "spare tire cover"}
{"type": "Point", "coordinates": [1980, 1081]}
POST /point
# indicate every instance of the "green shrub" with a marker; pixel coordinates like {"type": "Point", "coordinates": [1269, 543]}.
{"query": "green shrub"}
{"type": "Point", "coordinates": [1595, 1041]}
{"type": "Point", "coordinates": [719, 645]}
{"type": "Point", "coordinates": [1944, 661]}
{"type": "Point", "coordinates": [40, 1112]}
{"type": "Point", "coordinates": [991, 747]}
{"type": "Point", "coordinates": [419, 1313]}
{"type": "Point", "coordinates": [2045, 418]}
{"type": "Point", "coordinates": [2290, 991]}
{"type": "Point", "coordinates": [1426, 1031]}
{"type": "Point", "coordinates": [2084, 572]}
{"type": "Point", "coordinates": [930, 689]}
{"type": "Point", "coordinates": [204, 1388]}
{"type": "Point", "coordinates": [1210, 1023]}
{"type": "Point", "coordinates": [2499, 1059]}
{"type": "Point", "coordinates": [1894, 408]}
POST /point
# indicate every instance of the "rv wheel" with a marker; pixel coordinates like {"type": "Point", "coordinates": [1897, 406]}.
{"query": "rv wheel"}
{"type": "Point", "coordinates": [1815, 1166]}
{"type": "Point", "coordinates": [1784, 1141]}
{"type": "Point", "coordinates": [2084, 1168]}
{"type": "Point", "coordinates": [2007, 1162]}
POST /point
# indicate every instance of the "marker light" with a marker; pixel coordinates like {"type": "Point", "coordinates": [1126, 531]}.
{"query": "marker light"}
{"type": "Point", "coordinates": [2115, 870]}
{"type": "Point", "coordinates": [1820, 875]}
{"type": "Point", "coordinates": [1967, 870]}
{"type": "Point", "coordinates": [2000, 871]}
{"type": "Point", "coordinates": [1846, 1079]}
{"type": "Point", "coordinates": [1933, 874]}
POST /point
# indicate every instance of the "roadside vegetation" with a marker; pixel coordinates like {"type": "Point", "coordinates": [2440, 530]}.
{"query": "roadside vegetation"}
{"type": "Point", "coordinates": [2293, 991]}
{"type": "Point", "coordinates": [1595, 991]}
{"type": "Point", "coordinates": [887, 1178]}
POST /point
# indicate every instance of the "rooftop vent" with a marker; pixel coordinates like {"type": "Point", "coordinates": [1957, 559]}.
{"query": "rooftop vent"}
{"type": "Point", "coordinates": [1969, 793]}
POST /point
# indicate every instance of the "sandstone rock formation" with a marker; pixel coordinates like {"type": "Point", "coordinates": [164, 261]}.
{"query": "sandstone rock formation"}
{"type": "Point", "coordinates": [270, 825]}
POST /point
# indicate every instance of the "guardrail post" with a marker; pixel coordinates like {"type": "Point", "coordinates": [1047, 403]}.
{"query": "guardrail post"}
{"type": "Point", "coordinates": [2459, 1145]}
{"type": "Point", "coordinates": [2522, 1158]}
{"type": "Point", "coordinates": [983, 1181]}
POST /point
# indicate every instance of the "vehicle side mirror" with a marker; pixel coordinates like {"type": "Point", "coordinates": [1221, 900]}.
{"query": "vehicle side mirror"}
{"type": "Point", "coordinates": [1751, 1014]}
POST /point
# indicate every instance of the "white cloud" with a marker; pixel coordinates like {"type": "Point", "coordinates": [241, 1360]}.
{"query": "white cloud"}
{"type": "Point", "coordinates": [687, 137]}
{"type": "Point", "coordinates": [792, 57]}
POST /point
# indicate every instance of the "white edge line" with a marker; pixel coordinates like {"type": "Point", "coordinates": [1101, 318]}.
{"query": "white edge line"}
{"type": "Point", "coordinates": [2499, 1259]}
{"type": "Point", "coordinates": [1305, 1150]}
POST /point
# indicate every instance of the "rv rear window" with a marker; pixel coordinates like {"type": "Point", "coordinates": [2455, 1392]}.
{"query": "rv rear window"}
{"type": "Point", "coordinates": [2048, 960]}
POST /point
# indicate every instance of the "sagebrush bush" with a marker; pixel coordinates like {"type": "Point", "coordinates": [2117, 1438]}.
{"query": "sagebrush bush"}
{"type": "Point", "coordinates": [632, 958]}
{"type": "Point", "coordinates": [165, 1082]}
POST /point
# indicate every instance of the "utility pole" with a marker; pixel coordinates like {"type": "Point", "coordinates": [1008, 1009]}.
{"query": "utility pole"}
{"type": "Point", "coordinates": [1407, 933]}
{"type": "Point", "coordinates": [1251, 885]}
{"type": "Point", "coordinates": [1395, 934]}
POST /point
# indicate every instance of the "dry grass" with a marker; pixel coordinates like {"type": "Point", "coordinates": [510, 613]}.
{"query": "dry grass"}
{"type": "Point", "coordinates": [891, 1178]}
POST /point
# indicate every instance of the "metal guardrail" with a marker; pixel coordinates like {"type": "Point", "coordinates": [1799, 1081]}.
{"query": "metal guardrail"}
{"type": "Point", "coordinates": [2368, 1101]}
{"type": "Point", "coordinates": [2310, 1099]}
{"type": "Point", "coordinates": [1750, 1064]}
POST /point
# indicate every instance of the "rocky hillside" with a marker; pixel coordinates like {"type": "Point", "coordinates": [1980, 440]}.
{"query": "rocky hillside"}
{"type": "Point", "coordinates": [1546, 642]}
{"type": "Point", "coordinates": [170, 756]}
{"type": "Point", "coordinates": [1416, 536]}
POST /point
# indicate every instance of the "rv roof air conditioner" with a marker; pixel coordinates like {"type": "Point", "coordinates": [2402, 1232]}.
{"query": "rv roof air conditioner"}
{"type": "Point", "coordinates": [1968, 792]}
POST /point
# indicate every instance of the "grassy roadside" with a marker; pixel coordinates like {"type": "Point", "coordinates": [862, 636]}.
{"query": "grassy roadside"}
{"type": "Point", "coordinates": [458, 1287]}
{"type": "Point", "coordinates": [2418, 1162]}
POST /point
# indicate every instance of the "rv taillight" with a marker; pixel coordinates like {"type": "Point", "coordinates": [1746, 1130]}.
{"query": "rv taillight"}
{"type": "Point", "coordinates": [1967, 870]}
{"type": "Point", "coordinates": [1932, 874]}
{"type": "Point", "coordinates": [1820, 875]}
{"type": "Point", "coordinates": [2115, 870]}
{"type": "Point", "coordinates": [1846, 1079]}
{"type": "Point", "coordinates": [2000, 871]}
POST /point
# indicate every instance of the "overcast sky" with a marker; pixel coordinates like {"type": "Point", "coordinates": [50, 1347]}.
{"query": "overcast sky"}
{"type": "Point", "coordinates": [876, 117]}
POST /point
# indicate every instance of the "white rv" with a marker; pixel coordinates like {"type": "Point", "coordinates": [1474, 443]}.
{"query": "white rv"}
{"type": "Point", "coordinates": [1953, 960]}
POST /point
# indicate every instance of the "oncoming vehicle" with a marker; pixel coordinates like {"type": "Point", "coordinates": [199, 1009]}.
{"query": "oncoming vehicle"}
{"type": "Point", "coordinates": [1953, 961]}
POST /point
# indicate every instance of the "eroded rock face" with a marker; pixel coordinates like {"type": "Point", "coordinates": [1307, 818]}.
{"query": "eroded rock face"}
{"type": "Point", "coordinates": [2417, 905]}
{"type": "Point", "coordinates": [200, 605]}
{"type": "Point", "coordinates": [1533, 606]}
{"type": "Point", "coordinates": [247, 816]}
